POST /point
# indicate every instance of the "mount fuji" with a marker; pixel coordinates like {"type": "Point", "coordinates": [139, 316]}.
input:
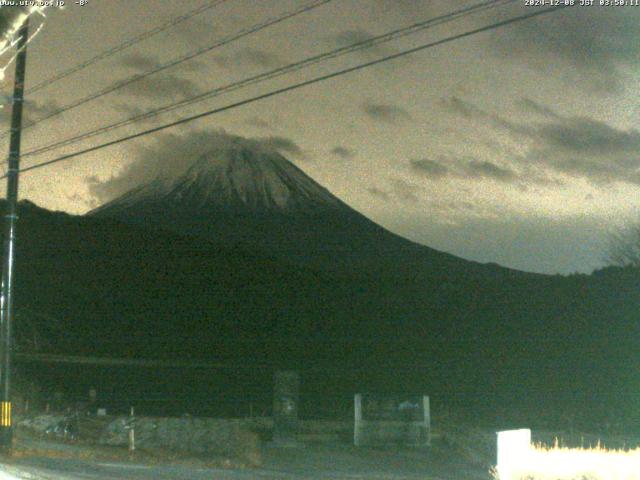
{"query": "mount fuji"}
{"type": "Point", "coordinates": [243, 193]}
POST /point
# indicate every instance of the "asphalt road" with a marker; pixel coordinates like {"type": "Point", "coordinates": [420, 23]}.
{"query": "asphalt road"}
{"type": "Point", "coordinates": [64, 469]}
{"type": "Point", "coordinates": [306, 462]}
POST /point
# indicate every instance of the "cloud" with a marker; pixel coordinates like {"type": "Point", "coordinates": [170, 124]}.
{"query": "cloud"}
{"type": "Point", "coordinates": [398, 188]}
{"type": "Point", "coordinates": [387, 113]}
{"type": "Point", "coordinates": [589, 43]}
{"type": "Point", "coordinates": [259, 123]}
{"type": "Point", "coordinates": [405, 191]}
{"type": "Point", "coordinates": [378, 193]}
{"type": "Point", "coordinates": [357, 37]}
{"type": "Point", "coordinates": [429, 168]}
{"type": "Point", "coordinates": [195, 31]}
{"type": "Point", "coordinates": [166, 86]}
{"type": "Point", "coordinates": [583, 135]}
{"type": "Point", "coordinates": [485, 169]}
{"type": "Point", "coordinates": [530, 106]}
{"type": "Point", "coordinates": [349, 37]}
{"type": "Point", "coordinates": [463, 108]}
{"type": "Point", "coordinates": [32, 111]}
{"type": "Point", "coordinates": [170, 155]}
{"type": "Point", "coordinates": [343, 152]}
{"type": "Point", "coordinates": [550, 144]}
{"type": "Point", "coordinates": [138, 61]}
{"type": "Point", "coordinates": [252, 57]}
{"type": "Point", "coordinates": [76, 198]}
{"type": "Point", "coordinates": [411, 7]}
{"type": "Point", "coordinates": [282, 145]}
{"type": "Point", "coordinates": [470, 111]}
{"type": "Point", "coordinates": [146, 62]}
{"type": "Point", "coordinates": [587, 148]}
{"type": "Point", "coordinates": [469, 169]}
{"type": "Point", "coordinates": [162, 84]}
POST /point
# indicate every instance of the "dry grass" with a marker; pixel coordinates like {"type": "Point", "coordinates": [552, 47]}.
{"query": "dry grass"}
{"type": "Point", "coordinates": [556, 463]}
{"type": "Point", "coordinates": [29, 445]}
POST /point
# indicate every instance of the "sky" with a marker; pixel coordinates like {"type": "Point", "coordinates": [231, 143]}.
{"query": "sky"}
{"type": "Point", "coordinates": [517, 146]}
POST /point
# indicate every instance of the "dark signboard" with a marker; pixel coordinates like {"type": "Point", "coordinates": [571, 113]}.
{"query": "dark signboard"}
{"type": "Point", "coordinates": [393, 408]}
{"type": "Point", "coordinates": [392, 420]}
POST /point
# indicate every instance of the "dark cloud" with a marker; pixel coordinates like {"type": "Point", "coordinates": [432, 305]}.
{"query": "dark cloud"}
{"type": "Point", "coordinates": [259, 123]}
{"type": "Point", "coordinates": [164, 86]}
{"type": "Point", "coordinates": [195, 31]}
{"type": "Point", "coordinates": [142, 115]}
{"type": "Point", "coordinates": [404, 191]}
{"type": "Point", "coordinates": [469, 111]}
{"type": "Point", "coordinates": [378, 193]}
{"type": "Point", "coordinates": [411, 7]}
{"type": "Point", "coordinates": [90, 203]}
{"type": "Point", "coordinates": [530, 106]}
{"type": "Point", "coordinates": [38, 109]}
{"type": "Point", "coordinates": [576, 146]}
{"type": "Point", "coordinates": [138, 61]}
{"type": "Point", "coordinates": [252, 57]}
{"type": "Point", "coordinates": [588, 136]}
{"type": "Point", "coordinates": [587, 148]}
{"type": "Point", "coordinates": [168, 84]}
{"type": "Point", "coordinates": [343, 152]}
{"type": "Point", "coordinates": [592, 43]}
{"type": "Point", "coordinates": [282, 145]}
{"type": "Point", "coordinates": [463, 168]}
{"type": "Point", "coordinates": [429, 168]}
{"type": "Point", "coordinates": [144, 63]}
{"type": "Point", "coordinates": [463, 108]}
{"type": "Point", "coordinates": [365, 41]}
{"type": "Point", "coordinates": [386, 112]}
{"type": "Point", "coordinates": [32, 111]}
{"type": "Point", "coordinates": [485, 169]}
{"type": "Point", "coordinates": [349, 37]}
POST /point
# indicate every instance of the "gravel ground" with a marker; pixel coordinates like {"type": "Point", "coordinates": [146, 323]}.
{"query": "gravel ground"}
{"type": "Point", "coordinates": [41, 458]}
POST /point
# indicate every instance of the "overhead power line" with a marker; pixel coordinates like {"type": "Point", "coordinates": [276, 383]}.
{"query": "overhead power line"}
{"type": "Point", "coordinates": [307, 62]}
{"type": "Point", "coordinates": [296, 86]}
{"type": "Point", "coordinates": [124, 45]}
{"type": "Point", "coordinates": [135, 78]}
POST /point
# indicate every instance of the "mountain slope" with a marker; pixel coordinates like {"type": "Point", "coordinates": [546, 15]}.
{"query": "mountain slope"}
{"type": "Point", "coordinates": [241, 192]}
{"type": "Point", "coordinates": [243, 259]}
{"type": "Point", "coordinates": [98, 287]}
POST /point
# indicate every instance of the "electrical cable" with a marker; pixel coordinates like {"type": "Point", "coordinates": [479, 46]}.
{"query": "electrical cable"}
{"type": "Point", "coordinates": [124, 45]}
{"type": "Point", "coordinates": [296, 86]}
{"type": "Point", "coordinates": [134, 78]}
{"type": "Point", "coordinates": [374, 41]}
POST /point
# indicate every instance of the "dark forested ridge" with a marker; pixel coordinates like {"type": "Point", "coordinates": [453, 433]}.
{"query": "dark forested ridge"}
{"type": "Point", "coordinates": [495, 340]}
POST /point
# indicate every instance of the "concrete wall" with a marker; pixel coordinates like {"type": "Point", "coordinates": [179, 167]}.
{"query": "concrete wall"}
{"type": "Point", "coordinates": [234, 437]}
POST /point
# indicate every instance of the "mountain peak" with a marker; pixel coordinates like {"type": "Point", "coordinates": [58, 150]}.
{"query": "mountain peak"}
{"type": "Point", "coordinates": [242, 191]}
{"type": "Point", "coordinates": [234, 174]}
{"type": "Point", "coordinates": [241, 175]}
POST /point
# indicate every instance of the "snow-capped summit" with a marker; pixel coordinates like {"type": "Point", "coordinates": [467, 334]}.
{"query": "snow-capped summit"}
{"type": "Point", "coordinates": [237, 175]}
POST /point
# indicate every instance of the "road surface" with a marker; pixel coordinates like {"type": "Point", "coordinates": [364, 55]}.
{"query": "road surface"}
{"type": "Point", "coordinates": [308, 463]}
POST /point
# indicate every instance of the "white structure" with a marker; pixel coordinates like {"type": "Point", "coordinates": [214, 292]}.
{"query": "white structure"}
{"type": "Point", "coordinates": [514, 447]}
{"type": "Point", "coordinates": [382, 420]}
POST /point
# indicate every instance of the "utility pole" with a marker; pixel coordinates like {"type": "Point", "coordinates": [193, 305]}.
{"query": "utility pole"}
{"type": "Point", "coordinates": [11, 217]}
